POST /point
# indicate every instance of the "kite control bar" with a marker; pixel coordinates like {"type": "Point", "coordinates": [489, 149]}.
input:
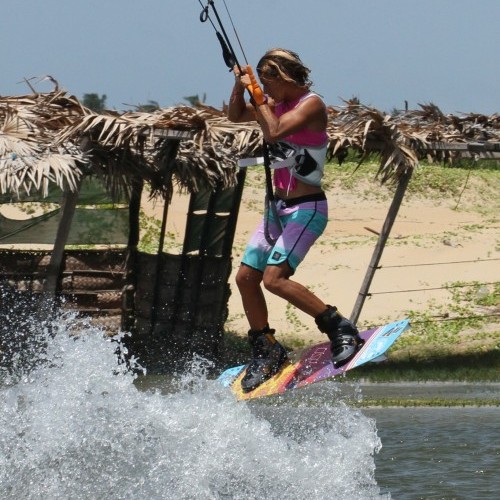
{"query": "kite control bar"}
{"type": "Point", "coordinates": [255, 91]}
{"type": "Point", "coordinates": [228, 53]}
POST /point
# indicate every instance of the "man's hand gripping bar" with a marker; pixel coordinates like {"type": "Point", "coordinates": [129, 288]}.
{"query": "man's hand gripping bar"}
{"type": "Point", "coordinates": [254, 88]}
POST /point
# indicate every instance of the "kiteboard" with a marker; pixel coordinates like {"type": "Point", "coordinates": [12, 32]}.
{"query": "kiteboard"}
{"type": "Point", "coordinates": [314, 364]}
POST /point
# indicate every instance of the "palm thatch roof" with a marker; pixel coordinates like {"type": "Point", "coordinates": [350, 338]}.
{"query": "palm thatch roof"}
{"type": "Point", "coordinates": [29, 156]}
{"type": "Point", "coordinates": [52, 137]}
{"type": "Point", "coordinates": [402, 139]}
{"type": "Point", "coordinates": [133, 143]}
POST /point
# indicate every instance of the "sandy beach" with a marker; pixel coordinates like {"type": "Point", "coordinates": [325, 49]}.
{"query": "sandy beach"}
{"type": "Point", "coordinates": [433, 243]}
{"type": "Point", "coordinates": [455, 244]}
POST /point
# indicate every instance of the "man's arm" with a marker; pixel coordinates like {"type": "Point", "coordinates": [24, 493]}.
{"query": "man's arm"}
{"type": "Point", "coordinates": [239, 110]}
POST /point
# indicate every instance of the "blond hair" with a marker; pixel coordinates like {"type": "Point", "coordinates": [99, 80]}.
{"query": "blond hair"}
{"type": "Point", "coordinates": [285, 64]}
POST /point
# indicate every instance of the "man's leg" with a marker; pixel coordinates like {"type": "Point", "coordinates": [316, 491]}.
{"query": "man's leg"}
{"type": "Point", "coordinates": [267, 353]}
{"type": "Point", "coordinates": [277, 280]}
{"type": "Point", "coordinates": [341, 332]}
{"type": "Point", "coordinates": [248, 281]}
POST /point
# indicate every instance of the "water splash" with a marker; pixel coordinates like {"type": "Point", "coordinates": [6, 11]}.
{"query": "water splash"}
{"type": "Point", "coordinates": [75, 425]}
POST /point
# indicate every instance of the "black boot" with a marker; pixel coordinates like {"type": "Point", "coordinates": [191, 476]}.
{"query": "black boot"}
{"type": "Point", "coordinates": [342, 333]}
{"type": "Point", "coordinates": [268, 357]}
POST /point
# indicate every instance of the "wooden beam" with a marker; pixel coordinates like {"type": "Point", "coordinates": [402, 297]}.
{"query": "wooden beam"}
{"type": "Point", "coordinates": [56, 264]}
{"type": "Point", "coordinates": [482, 150]}
{"type": "Point", "coordinates": [379, 248]}
{"type": "Point", "coordinates": [168, 133]}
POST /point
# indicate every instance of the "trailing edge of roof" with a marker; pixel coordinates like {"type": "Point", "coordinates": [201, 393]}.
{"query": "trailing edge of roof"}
{"type": "Point", "coordinates": [52, 137]}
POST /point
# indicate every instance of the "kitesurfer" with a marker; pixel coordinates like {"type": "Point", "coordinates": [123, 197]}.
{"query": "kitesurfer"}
{"type": "Point", "coordinates": [293, 120]}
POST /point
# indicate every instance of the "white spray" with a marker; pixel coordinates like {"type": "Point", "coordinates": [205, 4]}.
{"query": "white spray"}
{"type": "Point", "coordinates": [75, 425]}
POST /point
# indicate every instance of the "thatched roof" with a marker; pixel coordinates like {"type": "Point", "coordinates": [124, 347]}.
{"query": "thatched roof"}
{"type": "Point", "coordinates": [42, 140]}
{"type": "Point", "coordinates": [29, 155]}
{"type": "Point", "coordinates": [403, 139]}
{"type": "Point", "coordinates": [140, 143]}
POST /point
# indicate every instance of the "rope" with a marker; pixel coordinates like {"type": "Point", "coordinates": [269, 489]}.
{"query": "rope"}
{"type": "Point", "coordinates": [438, 263]}
{"type": "Point", "coordinates": [433, 288]}
{"type": "Point", "coordinates": [235, 32]}
{"type": "Point", "coordinates": [466, 182]}
{"type": "Point", "coordinates": [438, 319]}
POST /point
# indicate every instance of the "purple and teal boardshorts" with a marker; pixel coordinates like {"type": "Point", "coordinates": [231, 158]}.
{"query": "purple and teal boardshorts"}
{"type": "Point", "coordinates": [303, 220]}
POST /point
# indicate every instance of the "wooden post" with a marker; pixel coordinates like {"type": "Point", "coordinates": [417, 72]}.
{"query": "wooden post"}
{"type": "Point", "coordinates": [159, 269]}
{"type": "Point", "coordinates": [55, 266]}
{"type": "Point", "coordinates": [134, 209]}
{"type": "Point", "coordinates": [171, 152]}
{"type": "Point", "coordinates": [379, 248]}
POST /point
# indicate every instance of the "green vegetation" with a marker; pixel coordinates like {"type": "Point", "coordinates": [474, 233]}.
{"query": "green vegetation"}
{"type": "Point", "coordinates": [95, 102]}
{"type": "Point", "coordinates": [455, 341]}
{"type": "Point", "coordinates": [195, 100]}
{"type": "Point", "coordinates": [471, 307]}
{"type": "Point", "coordinates": [150, 236]}
{"type": "Point", "coordinates": [459, 341]}
{"type": "Point", "coordinates": [149, 107]}
{"type": "Point", "coordinates": [433, 367]}
{"type": "Point", "coordinates": [434, 402]}
{"type": "Point", "coordinates": [428, 181]}
{"type": "Point", "coordinates": [150, 233]}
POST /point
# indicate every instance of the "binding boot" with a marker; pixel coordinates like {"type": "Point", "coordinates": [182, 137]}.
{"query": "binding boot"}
{"type": "Point", "coordinates": [268, 357]}
{"type": "Point", "coordinates": [342, 333]}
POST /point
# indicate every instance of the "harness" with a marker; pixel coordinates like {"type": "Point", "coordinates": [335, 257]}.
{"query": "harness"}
{"type": "Point", "coordinates": [305, 163]}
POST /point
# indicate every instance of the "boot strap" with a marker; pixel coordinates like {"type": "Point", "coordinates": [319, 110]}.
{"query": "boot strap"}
{"type": "Point", "coordinates": [253, 335]}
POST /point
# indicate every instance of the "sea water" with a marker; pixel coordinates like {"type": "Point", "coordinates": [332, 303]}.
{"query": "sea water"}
{"type": "Point", "coordinates": [77, 422]}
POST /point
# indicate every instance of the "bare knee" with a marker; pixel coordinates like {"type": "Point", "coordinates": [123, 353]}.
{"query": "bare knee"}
{"type": "Point", "coordinates": [271, 284]}
{"type": "Point", "coordinates": [274, 281]}
{"type": "Point", "coordinates": [247, 278]}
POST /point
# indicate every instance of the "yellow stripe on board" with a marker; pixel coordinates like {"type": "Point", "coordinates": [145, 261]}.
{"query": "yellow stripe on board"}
{"type": "Point", "coordinates": [275, 385]}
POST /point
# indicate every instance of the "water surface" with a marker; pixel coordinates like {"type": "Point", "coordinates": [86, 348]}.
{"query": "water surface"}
{"type": "Point", "coordinates": [77, 424]}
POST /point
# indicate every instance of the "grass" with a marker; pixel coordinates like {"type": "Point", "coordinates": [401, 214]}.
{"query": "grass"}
{"type": "Point", "coordinates": [150, 236]}
{"type": "Point", "coordinates": [441, 366]}
{"type": "Point", "coordinates": [455, 341]}
{"type": "Point", "coordinates": [432, 181]}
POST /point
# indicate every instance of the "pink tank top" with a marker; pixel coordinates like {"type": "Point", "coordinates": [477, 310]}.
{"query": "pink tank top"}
{"type": "Point", "coordinates": [282, 177]}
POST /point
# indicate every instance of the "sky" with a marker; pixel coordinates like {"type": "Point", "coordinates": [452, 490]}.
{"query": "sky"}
{"type": "Point", "coordinates": [134, 51]}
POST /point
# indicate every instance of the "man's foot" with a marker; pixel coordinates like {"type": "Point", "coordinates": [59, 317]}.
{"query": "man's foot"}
{"type": "Point", "coordinates": [343, 335]}
{"type": "Point", "coordinates": [268, 357]}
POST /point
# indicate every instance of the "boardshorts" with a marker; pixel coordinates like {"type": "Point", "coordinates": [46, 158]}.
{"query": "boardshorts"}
{"type": "Point", "coordinates": [303, 220]}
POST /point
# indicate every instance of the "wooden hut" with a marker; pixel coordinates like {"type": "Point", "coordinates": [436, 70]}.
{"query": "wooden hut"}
{"type": "Point", "coordinates": [176, 305]}
{"type": "Point", "coordinates": [173, 304]}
